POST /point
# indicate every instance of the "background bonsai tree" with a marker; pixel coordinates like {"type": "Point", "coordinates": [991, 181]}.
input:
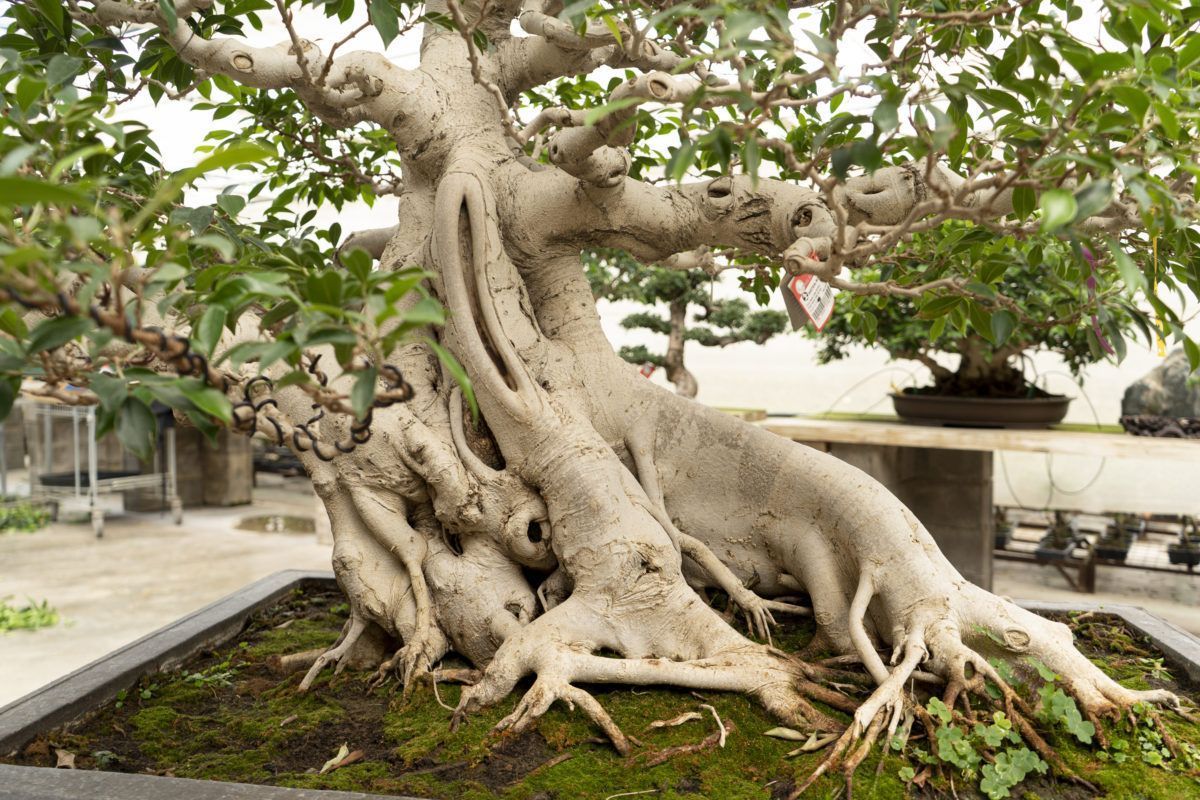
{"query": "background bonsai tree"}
{"type": "Point", "coordinates": [1051, 302]}
{"type": "Point", "coordinates": [615, 275]}
{"type": "Point", "coordinates": [574, 507]}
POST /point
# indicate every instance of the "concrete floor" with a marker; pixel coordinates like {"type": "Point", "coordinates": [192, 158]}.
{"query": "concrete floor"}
{"type": "Point", "coordinates": [1173, 596]}
{"type": "Point", "coordinates": [143, 574]}
{"type": "Point", "coordinates": [146, 572]}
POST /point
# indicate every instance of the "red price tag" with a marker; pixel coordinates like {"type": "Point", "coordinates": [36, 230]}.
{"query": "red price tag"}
{"type": "Point", "coordinates": [815, 296]}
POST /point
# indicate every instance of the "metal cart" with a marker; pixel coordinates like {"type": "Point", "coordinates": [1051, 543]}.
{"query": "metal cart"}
{"type": "Point", "coordinates": [83, 481]}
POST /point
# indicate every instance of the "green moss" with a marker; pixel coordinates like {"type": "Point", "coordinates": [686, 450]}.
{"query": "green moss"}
{"type": "Point", "coordinates": [303, 634]}
{"type": "Point", "coordinates": [256, 728]}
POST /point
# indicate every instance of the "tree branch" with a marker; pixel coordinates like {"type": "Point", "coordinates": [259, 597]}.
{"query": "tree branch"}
{"type": "Point", "coordinates": [343, 92]}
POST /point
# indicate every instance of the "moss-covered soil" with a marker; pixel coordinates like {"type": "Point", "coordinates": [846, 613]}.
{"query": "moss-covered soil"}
{"type": "Point", "coordinates": [227, 716]}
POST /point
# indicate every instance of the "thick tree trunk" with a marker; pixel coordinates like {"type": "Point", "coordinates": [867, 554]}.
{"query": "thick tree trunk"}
{"type": "Point", "coordinates": [587, 506]}
{"type": "Point", "coordinates": [625, 497]}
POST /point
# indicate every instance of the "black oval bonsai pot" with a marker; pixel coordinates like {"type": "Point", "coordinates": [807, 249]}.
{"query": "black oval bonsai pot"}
{"type": "Point", "coordinates": [980, 412]}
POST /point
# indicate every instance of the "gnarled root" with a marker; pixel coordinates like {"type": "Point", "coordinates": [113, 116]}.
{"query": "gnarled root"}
{"type": "Point", "coordinates": [355, 627]}
{"type": "Point", "coordinates": [541, 696]}
{"type": "Point", "coordinates": [952, 639]}
{"type": "Point", "coordinates": [545, 648]}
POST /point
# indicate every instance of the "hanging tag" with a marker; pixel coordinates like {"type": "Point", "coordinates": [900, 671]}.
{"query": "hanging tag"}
{"type": "Point", "coordinates": [807, 297]}
{"type": "Point", "coordinates": [646, 369]}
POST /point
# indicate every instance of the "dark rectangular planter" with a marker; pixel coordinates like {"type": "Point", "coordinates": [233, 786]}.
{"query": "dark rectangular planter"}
{"type": "Point", "coordinates": [1112, 552]}
{"type": "Point", "coordinates": [1054, 553]}
{"type": "Point", "coordinates": [89, 687]}
{"type": "Point", "coordinates": [1183, 555]}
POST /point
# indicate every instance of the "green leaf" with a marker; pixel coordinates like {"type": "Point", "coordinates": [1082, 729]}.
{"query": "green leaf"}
{"type": "Point", "coordinates": [458, 373]}
{"type": "Point", "coordinates": [136, 428]}
{"type": "Point", "coordinates": [167, 9]}
{"type": "Point", "coordinates": [62, 68]}
{"type": "Point", "coordinates": [209, 400]}
{"type": "Point", "coordinates": [1003, 323]}
{"type": "Point", "coordinates": [362, 395]}
{"type": "Point", "coordinates": [613, 28]}
{"type": "Point", "coordinates": [1043, 671]}
{"type": "Point", "coordinates": [1133, 98]}
{"type": "Point", "coordinates": [681, 161]}
{"type": "Point", "coordinates": [886, 117]}
{"type": "Point", "coordinates": [208, 329]}
{"type": "Point", "coordinates": [231, 204]}
{"type": "Point", "coordinates": [1193, 352]}
{"type": "Point", "coordinates": [12, 324]}
{"type": "Point", "coordinates": [1131, 275]}
{"type": "Point", "coordinates": [24, 191]}
{"type": "Point", "coordinates": [938, 709]}
{"type": "Point", "coordinates": [1024, 202]}
{"type": "Point", "coordinates": [1093, 198]}
{"type": "Point", "coordinates": [1168, 120]}
{"type": "Point", "coordinates": [1058, 209]}
{"type": "Point", "coordinates": [110, 389]}
{"type": "Point", "coordinates": [383, 17]}
{"type": "Point", "coordinates": [170, 272]}
{"type": "Point", "coordinates": [56, 332]}
{"type": "Point", "coordinates": [751, 157]}
{"type": "Point", "coordinates": [8, 396]}
{"type": "Point", "coordinates": [218, 243]}
{"type": "Point", "coordinates": [231, 156]}
{"type": "Point", "coordinates": [1189, 54]}
{"type": "Point", "coordinates": [425, 311]}
{"type": "Point", "coordinates": [28, 91]}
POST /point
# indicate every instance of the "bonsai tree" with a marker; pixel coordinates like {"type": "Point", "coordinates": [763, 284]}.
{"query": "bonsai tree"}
{"type": "Point", "coordinates": [1118, 536]}
{"type": "Point", "coordinates": [614, 275]}
{"type": "Point", "coordinates": [1049, 304]}
{"type": "Point", "coordinates": [1186, 551]}
{"type": "Point", "coordinates": [498, 481]}
{"type": "Point", "coordinates": [1060, 537]}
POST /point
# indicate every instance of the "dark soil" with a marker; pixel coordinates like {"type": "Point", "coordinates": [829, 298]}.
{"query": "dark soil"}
{"type": "Point", "coordinates": [226, 716]}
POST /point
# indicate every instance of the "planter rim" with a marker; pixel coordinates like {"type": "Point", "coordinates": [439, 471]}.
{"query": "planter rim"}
{"type": "Point", "coordinates": [88, 687]}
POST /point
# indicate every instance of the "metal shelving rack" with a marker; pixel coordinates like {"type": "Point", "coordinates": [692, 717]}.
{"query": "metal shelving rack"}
{"type": "Point", "coordinates": [84, 482]}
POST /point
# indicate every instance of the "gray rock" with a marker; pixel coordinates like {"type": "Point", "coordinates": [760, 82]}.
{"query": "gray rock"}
{"type": "Point", "coordinates": [1168, 390]}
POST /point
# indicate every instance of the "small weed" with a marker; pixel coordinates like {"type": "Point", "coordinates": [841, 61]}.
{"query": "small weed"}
{"type": "Point", "coordinates": [27, 618]}
{"type": "Point", "coordinates": [1153, 668]}
{"type": "Point", "coordinates": [966, 748]}
{"type": "Point", "coordinates": [211, 678]}
{"type": "Point", "coordinates": [23, 517]}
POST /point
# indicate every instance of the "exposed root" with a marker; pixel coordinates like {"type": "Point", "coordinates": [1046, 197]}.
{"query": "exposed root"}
{"type": "Point", "coordinates": [409, 664]}
{"type": "Point", "coordinates": [687, 716]}
{"type": "Point", "coordinates": [354, 629]}
{"type": "Point", "coordinates": [294, 662]}
{"type": "Point", "coordinates": [541, 696]}
{"type": "Point", "coordinates": [713, 740]}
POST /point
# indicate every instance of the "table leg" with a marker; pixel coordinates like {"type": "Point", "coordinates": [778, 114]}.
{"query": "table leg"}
{"type": "Point", "coordinates": [950, 491]}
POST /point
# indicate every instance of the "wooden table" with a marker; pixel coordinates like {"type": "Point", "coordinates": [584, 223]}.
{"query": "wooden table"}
{"type": "Point", "coordinates": [944, 475]}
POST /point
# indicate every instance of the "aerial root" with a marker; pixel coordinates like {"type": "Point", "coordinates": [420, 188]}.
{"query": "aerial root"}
{"type": "Point", "coordinates": [885, 706]}
{"type": "Point", "coordinates": [410, 664]}
{"type": "Point", "coordinates": [354, 629]}
{"type": "Point", "coordinates": [541, 696]}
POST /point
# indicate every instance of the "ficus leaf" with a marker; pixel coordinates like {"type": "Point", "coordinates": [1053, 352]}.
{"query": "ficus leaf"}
{"type": "Point", "coordinates": [1058, 209]}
